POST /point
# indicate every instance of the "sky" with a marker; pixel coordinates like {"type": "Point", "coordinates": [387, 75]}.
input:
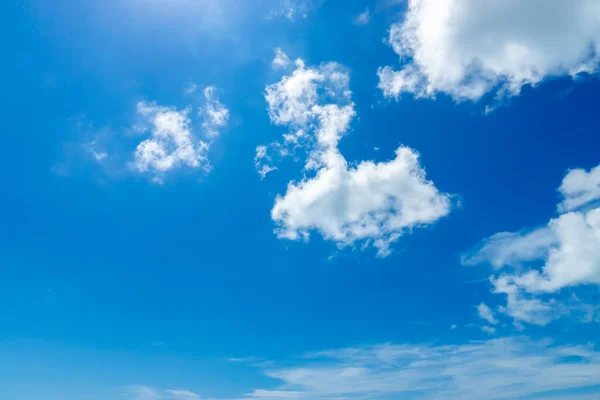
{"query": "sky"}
{"type": "Point", "coordinates": [300, 199]}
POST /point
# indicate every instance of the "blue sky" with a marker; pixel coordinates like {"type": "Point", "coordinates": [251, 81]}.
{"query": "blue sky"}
{"type": "Point", "coordinates": [296, 199]}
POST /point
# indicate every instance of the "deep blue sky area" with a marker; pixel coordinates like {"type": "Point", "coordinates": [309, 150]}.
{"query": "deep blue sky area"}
{"type": "Point", "coordinates": [115, 285]}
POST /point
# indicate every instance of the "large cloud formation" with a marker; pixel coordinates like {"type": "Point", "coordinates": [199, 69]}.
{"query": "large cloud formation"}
{"type": "Point", "coordinates": [535, 264]}
{"type": "Point", "coordinates": [467, 48]}
{"type": "Point", "coordinates": [372, 203]}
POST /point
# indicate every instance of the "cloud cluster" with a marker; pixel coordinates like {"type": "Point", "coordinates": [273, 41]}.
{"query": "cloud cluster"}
{"type": "Point", "coordinates": [508, 368]}
{"type": "Point", "coordinates": [467, 48]}
{"type": "Point", "coordinates": [536, 263]}
{"type": "Point", "coordinates": [369, 203]}
{"type": "Point", "coordinates": [173, 144]}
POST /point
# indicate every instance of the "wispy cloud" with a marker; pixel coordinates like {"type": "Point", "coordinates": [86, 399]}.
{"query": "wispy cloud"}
{"type": "Point", "coordinates": [507, 367]}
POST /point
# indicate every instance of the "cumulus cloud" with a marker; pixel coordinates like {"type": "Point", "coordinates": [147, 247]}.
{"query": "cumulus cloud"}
{"type": "Point", "coordinates": [467, 48]}
{"type": "Point", "coordinates": [511, 367]}
{"type": "Point", "coordinates": [370, 203]}
{"type": "Point", "coordinates": [564, 253]}
{"type": "Point", "coordinates": [173, 144]}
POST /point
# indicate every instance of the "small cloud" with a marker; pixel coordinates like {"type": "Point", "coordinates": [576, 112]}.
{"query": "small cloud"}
{"type": "Point", "coordinates": [363, 18]}
{"type": "Point", "coordinates": [486, 313]}
{"type": "Point", "coordinates": [488, 329]}
{"type": "Point", "coordinates": [183, 394]}
{"type": "Point", "coordinates": [99, 156]}
{"type": "Point", "coordinates": [243, 360]}
{"type": "Point", "coordinates": [453, 326]}
{"type": "Point", "coordinates": [142, 392]}
{"type": "Point", "coordinates": [281, 59]}
{"type": "Point", "coordinates": [192, 88]}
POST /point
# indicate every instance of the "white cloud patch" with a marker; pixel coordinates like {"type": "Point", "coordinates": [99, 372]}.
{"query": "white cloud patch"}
{"type": "Point", "coordinates": [182, 394]}
{"type": "Point", "coordinates": [490, 330]}
{"type": "Point", "coordinates": [215, 114]}
{"type": "Point", "coordinates": [173, 144]}
{"type": "Point", "coordinates": [293, 9]}
{"type": "Point", "coordinates": [563, 254]}
{"type": "Point", "coordinates": [486, 313]}
{"type": "Point", "coordinates": [508, 368]}
{"type": "Point", "coordinates": [579, 187]}
{"type": "Point", "coordinates": [467, 48]}
{"type": "Point", "coordinates": [363, 18]}
{"type": "Point", "coordinates": [141, 392]}
{"type": "Point", "coordinates": [281, 59]}
{"type": "Point", "coordinates": [370, 203]}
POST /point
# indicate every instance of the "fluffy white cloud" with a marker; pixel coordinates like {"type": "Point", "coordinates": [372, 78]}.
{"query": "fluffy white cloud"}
{"type": "Point", "coordinates": [172, 144]}
{"type": "Point", "coordinates": [215, 114]}
{"type": "Point", "coordinates": [579, 187]}
{"type": "Point", "coordinates": [372, 203]}
{"type": "Point", "coordinates": [508, 368]}
{"type": "Point", "coordinates": [568, 250]}
{"type": "Point", "coordinates": [467, 48]}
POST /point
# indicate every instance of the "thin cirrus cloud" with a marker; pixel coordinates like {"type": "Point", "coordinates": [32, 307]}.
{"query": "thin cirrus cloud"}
{"type": "Point", "coordinates": [534, 265]}
{"type": "Point", "coordinates": [371, 204]}
{"type": "Point", "coordinates": [468, 48]}
{"type": "Point", "coordinates": [173, 144]}
{"type": "Point", "coordinates": [142, 392]}
{"type": "Point", "coordinates": [510, 367]}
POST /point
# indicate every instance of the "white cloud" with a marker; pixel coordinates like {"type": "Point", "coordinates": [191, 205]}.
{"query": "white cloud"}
{"type": "Point", "coordinates": [543, 261]}
{"type": "Point", "coordinates": [579, 187]}
{"type": "Point", "coordinates": [363, 18]}
{"type": "Point", "coordinates": [273, 394]}
{"type": "Point", "coordinates": [281, 59]}
{"type": "Point", "coordinates": [511, 248]}
{"type": "Point", "coordinates": [371, 203]}
{"type": "Point", "coordinates": [183, 394]}
{"type": "Point", "coordinates": [453, 326]}
{"type": "Point", "coordinates": [141, 392]}
{"type": "Point", "coordinates": [292, 9]}
{"type": "Point", "coordinates": [490, 330]}
{"type": "Point", "coordinates": [467, 48]}
{"type": "Point", "coordinates": [172, 144]}
{"type": "Point", "coordinates": [215, 114]}
{"type": "Point", "coordinates": [486, 313]}
{"type": "Point", "coordinates": [508, 368]}
{"type": "Point", "coordinates": [261, 160]}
